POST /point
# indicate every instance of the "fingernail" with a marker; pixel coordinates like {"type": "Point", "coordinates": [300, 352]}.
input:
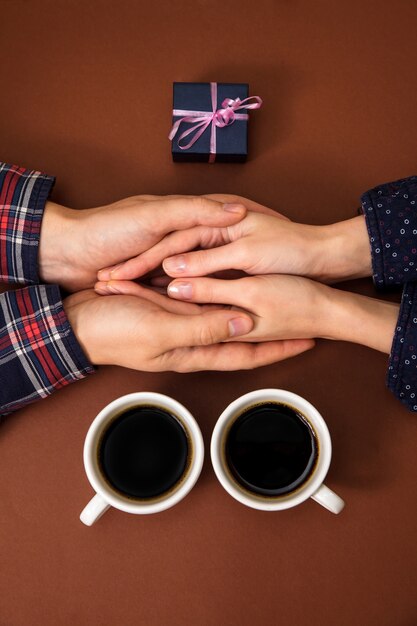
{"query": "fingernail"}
{"type": "Point", "coordinates": [181, 290]}
{"type": "Point", "coordinates": [115, 268]}
{"type": "Point", "coordinates": [239, 326]}
{"type": "Point", "coordinates": [233, 207]}
{"type": "Point", "coordinates": [175, 264]}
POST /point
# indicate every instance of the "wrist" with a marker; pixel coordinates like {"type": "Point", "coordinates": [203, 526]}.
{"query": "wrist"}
{"type": "Point", "coordinates": [342, 251]}
{"type": "Point", "coordinates": [359, 319]}
{"type": "Point", "coordinates": [57, 225]}
{"type": "Point", "coordinates": [79, 316]}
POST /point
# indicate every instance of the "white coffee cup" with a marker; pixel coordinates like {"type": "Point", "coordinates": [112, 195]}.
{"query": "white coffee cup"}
{"type": "Point", "coordinates": [106, 496]}
{"type": "Point", "coordinates": [312, 488]}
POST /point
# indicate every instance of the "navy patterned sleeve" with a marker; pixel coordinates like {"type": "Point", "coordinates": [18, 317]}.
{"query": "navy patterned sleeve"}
{"type": "Point", "coordinates": [390, 212]}
{"type": "Point", "coordinates": [402, 369]}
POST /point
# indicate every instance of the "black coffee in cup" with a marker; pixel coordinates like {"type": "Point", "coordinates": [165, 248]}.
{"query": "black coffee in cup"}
{"type": "Point", "coordinates": [271, 449]}
{"type": "Point", "coordinates": [144, 452]}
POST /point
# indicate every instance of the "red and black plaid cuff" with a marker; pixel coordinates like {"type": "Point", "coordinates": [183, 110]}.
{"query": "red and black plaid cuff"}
{"type": "Point", "coordinates": [38, 349]}
{"type": "Point", "coordinates": [23, 195]}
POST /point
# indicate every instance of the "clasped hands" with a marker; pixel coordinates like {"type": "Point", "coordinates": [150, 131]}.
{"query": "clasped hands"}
{"type": "Point", "coordinates": [186, 318]}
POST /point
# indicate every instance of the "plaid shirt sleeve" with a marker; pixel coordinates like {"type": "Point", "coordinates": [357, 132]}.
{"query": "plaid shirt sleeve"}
{"type": "Point", "coordinates": [38, 349]}
{"type": "Point", "coordinates": [23, 194]}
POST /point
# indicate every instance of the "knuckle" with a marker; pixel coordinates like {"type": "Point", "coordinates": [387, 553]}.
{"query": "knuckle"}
{"type": "Point", "coordinates": [200, 258]}
{"type": "Point", "coordinates": [180, 360]}
{"type": "Point", "coordinates": [198, 203]}
{"type": "Point", "coordinates": [152, 365]}
{"type": "Point", "coordinates": [203, 288]}
{"type": "Point", "coordinates": [165, 362]}
{"type": "Point", "coordinates": [207, 336]}
{"type": "Point", "coordinates": [135, 201]}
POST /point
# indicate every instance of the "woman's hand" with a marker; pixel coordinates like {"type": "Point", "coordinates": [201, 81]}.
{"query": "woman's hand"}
{"type": "Point", "coordinates": [147, 331]}
{"type": "Point", "coordinates": [75, 245]}
{"type": "Point", "coordinates": [288, 307]}
{"type": "Point", "coordinates": [261, 243]}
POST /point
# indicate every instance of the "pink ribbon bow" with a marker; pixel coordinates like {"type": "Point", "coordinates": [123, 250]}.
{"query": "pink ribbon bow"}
{"type": "Point", "coordinates": [217, 118]}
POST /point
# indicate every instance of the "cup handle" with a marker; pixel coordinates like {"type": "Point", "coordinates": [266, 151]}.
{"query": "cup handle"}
{"type": "Point", "coordinates": [94, 510]}
{"type": "Point", "coordinates": [329, 499]}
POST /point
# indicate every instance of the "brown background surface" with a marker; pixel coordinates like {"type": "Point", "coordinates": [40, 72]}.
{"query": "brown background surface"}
{"type": "Point", "coordinates": [86, 95]}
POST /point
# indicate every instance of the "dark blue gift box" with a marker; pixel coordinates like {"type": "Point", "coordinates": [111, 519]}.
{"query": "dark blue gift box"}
{"type": "Point", "coordinates": [231, 140]}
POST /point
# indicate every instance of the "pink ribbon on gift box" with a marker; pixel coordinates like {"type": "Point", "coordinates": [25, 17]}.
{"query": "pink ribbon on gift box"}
{"type": "Point", "coordinates": [219, 118]}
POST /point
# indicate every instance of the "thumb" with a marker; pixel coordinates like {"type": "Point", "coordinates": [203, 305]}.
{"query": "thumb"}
{"type": "Point", "coordinates": [209, 328]}
{"type": "Point", "coordinates": [203, 262]}
{"type": "Point", "coordinates": [189, 211]}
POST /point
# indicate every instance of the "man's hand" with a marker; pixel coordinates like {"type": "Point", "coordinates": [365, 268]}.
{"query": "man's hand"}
{"type": "Point", "coordinates": [75, 245]}
{"type": "Point", "coordinates": [150, 332]}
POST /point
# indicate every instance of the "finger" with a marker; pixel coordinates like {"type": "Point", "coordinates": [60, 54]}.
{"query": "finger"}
{"type": "Point", "coordinates": [180, 241]}
{"type": "Point", "coordinates": [234, 356]}
{"type": "Point", "coordinates": [163, 281]}
{"type": "Point", "coordinates": [203, 262]}
{"type": "Point", "coordinates": [183, 213]}
{"type": "Point", "coordinates": [123, 287]}
{"type": "Point", "coordinates": [211, 327]}
{"type": "Point", "coordinates": [156, 272]}
{"type": "Point", "coordinates": [212, 290]}
{"type": "Point", "coordinates": [128, 288]}
{"type": "Point", "coordinates": [251, 205]}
